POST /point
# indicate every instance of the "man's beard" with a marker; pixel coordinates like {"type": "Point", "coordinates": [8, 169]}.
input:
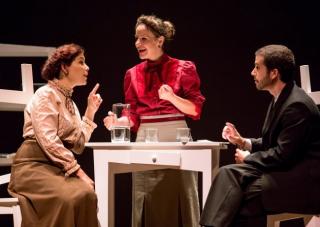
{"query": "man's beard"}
{"type": "Point", "coordinates": [265, 82]}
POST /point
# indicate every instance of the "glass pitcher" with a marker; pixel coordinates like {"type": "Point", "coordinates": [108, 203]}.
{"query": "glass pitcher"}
{"type": "Point", "coordinates": [120, 129]}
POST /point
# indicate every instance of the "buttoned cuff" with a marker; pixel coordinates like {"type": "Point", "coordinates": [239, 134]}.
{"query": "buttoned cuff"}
{"type": "Point", "coordinates": [90, 123]}
{"type": "Point", "coordinates": [74, 167]}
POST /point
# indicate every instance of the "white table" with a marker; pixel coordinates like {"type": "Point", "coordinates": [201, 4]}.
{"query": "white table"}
{"type": "Point", "coordinates": [113, 158]}
{"type": "Point", "coordinates": [6, 159]}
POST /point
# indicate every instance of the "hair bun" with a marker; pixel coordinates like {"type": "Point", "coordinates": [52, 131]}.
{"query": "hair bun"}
{"type": "Point", "coordinates": [170, 30]}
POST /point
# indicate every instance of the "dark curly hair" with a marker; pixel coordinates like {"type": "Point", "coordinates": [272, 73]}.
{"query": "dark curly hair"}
{"type": "Point", "coordinates": [64, 55]}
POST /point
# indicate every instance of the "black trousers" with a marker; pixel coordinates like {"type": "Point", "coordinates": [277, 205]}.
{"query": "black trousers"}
{"type": "Point", "coordinates": [235, 198]}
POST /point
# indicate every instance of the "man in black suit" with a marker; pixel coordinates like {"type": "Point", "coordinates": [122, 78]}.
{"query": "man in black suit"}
{"type": "Point", "coordinates": [279, 172]}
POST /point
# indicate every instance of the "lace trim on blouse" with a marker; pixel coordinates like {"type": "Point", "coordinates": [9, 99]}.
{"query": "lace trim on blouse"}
{"type": "Point", "coordinates": [66, 92]}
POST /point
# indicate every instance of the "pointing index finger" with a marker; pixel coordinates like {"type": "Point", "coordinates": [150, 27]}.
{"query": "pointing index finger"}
{"type": "Point", "coordinates": [94, 90]}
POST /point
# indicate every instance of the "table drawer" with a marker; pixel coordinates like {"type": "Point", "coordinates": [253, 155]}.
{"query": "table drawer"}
{"type": "Point", "coordinates": [160, 157]}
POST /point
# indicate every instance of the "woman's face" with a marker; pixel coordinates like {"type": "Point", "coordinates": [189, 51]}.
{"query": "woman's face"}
{"type": "Point", "coordinates": [148, 45]}
{"type": "Point", "coordinates": [77, 72]}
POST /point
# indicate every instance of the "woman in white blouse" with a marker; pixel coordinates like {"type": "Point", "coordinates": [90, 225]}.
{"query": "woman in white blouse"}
{"type": "Point", "coordinates": [52, 189]}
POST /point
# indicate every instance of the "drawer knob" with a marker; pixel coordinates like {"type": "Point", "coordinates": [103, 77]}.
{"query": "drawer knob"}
{"type": "Point", "coordinates": [154, 159]}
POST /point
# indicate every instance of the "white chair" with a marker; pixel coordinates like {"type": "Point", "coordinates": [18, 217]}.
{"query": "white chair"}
{"type": "Point", "coordinates": [12, 100]}
{"type": "Point", "coordinates": [315, 95]}
{"type": "Point", "coordinates": [9, 205]}
{"type": "Point", "coordinates": [306, 84]}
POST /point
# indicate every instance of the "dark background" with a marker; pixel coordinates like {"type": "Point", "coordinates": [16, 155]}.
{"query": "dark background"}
{"type": "Point", "coordinates": [220, 37]}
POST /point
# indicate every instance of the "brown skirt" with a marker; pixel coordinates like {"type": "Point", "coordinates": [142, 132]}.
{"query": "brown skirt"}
{"type": "Point", "coordinates": [165, 197]}
{"type": "Point", "coordinates": [47, 198]}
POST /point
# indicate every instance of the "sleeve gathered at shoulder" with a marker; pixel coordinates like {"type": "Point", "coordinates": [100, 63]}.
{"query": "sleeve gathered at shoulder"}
{"type": "Point", "coordinates": [190, 83]}
{"type": "Point", "coordinates": [188, 66]}
{"type": "Point", "coordinates": [127, 81]}
{"type": "Point", "coordinates": [131, 97]}
{"type": "Point", "coordinates": [44, 114]}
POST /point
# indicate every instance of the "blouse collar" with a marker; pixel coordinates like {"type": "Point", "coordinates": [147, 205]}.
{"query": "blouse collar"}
{"type": "Point", "coordinates": [155, 64]}
{"type": "Point", "coordinates": [66, 93]}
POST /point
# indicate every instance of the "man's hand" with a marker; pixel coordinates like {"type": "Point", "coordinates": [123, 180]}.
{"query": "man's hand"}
{"type": "Point", "coordinates": [240, 155]}
{"type": "Point", "coordinates": [231, 134]}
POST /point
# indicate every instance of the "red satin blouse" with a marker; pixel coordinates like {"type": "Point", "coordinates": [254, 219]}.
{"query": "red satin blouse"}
{"type": "Point", "coordinates": [142, 82]}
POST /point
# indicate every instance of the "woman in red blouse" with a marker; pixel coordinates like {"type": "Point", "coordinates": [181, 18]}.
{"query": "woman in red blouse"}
{"type": "Point", "coordinates": [161, 91]}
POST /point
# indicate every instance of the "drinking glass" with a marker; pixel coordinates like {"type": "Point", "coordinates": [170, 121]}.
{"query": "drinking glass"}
{"type": "Point", "coordinates": [183, 135]}
{"type": "Point", "coordinates": [151, 135]}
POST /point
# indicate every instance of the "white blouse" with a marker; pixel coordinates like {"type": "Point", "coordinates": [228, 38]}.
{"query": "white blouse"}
{"type": "Point", "coordinates": [56, 129]}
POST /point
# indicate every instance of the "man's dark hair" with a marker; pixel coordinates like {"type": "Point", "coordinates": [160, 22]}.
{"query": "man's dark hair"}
{"type": "Point", "coordinates": [279, 57]}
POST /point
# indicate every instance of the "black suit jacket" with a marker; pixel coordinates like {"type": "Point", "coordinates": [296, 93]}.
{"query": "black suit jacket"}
{"type": "Point", "coordinates": [289, 153]}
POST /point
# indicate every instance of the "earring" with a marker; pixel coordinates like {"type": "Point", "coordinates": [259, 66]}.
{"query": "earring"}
{"type": "Point", "coordinates": [64, 74]}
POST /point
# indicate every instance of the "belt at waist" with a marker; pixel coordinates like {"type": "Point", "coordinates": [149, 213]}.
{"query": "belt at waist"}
{"type": "Point", "coordinates": [162, 118]}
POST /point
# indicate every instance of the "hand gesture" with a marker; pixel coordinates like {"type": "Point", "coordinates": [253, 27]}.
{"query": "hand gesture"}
{"type": "Point", "coordinates": [94, 99]}
{"type": "Point", "coordinates": [110, 120]}
{"type": "Point", "coordinates": [165, 92]}
{"type": "Point", "coordinates": [240, 155]}
{"type": "Point", "coordinates": [231, 134]}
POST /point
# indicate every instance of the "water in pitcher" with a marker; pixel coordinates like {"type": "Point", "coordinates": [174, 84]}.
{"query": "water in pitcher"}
{"type": "Point", "coordinates": [120, 130]}
{"type": "Point", "coordinates": [120, 134]}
